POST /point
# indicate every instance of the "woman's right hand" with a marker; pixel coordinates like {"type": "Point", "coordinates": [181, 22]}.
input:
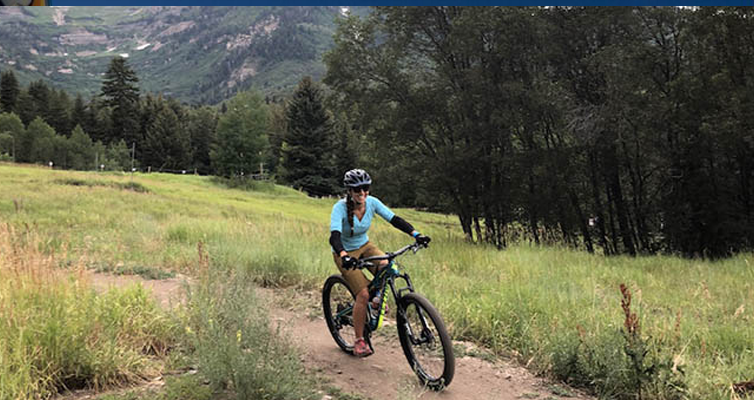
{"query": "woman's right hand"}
{"type": "Point", "coordinates": [348, 262]}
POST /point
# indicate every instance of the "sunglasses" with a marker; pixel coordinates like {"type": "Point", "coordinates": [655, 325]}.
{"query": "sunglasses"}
{"type": "Point", "coordinates": [362, 188]}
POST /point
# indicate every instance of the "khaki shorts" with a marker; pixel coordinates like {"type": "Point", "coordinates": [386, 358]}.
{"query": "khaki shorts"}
{"type": "Point", "coordinates": [355, 277]}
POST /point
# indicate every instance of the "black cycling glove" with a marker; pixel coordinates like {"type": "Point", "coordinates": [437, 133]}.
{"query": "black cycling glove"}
{"type": "Point", "coordinates": [348, 262]}
{"type": "Point", "coordinates": [423, 240]}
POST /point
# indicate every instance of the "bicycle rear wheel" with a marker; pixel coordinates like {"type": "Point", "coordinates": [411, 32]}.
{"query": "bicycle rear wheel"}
{"type": "Point", "coordinates": [337, 303]}
{"type": "Point", "coordinates": [425, 341]}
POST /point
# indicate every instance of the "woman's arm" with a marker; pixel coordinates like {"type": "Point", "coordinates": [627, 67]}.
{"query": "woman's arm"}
{"type": "Point", "coordinates": [337, 244]}
{"type": "Point", "coordinates": [402, 225]}
{"type": "Point", "coordinates": [336, 226]}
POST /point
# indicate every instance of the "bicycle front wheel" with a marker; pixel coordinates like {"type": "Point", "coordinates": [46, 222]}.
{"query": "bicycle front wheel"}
{"type": "Point", "coordinates": [425, 341]}
{"type": "Point", "coordinates": [337, 303]}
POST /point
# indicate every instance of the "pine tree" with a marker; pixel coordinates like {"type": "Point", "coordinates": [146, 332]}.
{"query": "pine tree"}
{"type": "Point", "coordinates": [149, 106]}
{"type": "Point", "coordinates": [121, 93]}
{"type": "Point", "coordinates": [59, 112]}
{"type": "Point", "coordinates": [78, 112]}
{"type": "Point", "coordinates": [39, 96]}
{"type": "Point", "coordinates": [344, 157]}
{"type": "Point", "coordinates": [202, 128]}
{"type": "Point", "coordinates": [25, 107]}
{"type": "Point", "coordinates": [61, 151]}
{"type": "Point", "coordinates": [166, 145]}
{"type": "Point", "coordinates": [98, 121]}
{"type": "Point", "coordinates": [307, 150]}
{"type": "Point", "coordinates": [9, 91]}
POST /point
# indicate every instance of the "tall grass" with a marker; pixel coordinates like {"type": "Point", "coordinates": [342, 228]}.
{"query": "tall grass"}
{"type": "Point", "coordinates": [559, 311]}
{"type": "Point", "coordinates": [233, 342]}
{"type": "Point", "coordinates": [56, 334]}
{"type": "Point", "coordinates": [556, 310]}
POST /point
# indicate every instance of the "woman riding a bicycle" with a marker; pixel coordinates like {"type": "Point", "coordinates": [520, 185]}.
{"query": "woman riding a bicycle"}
{"type": "Point", "coordinates": [350, 220]}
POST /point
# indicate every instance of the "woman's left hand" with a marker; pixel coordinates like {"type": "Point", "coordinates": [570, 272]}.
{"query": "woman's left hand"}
{"type": "Point", "coordinates": [423, 240]}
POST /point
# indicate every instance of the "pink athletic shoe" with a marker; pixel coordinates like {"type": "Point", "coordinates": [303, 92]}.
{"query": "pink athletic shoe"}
{"type": "Point", "coordinates": [361, 348]}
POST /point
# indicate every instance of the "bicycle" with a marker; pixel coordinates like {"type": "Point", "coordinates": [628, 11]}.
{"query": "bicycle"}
{"type": "Point", "coordinates": [421, 329]}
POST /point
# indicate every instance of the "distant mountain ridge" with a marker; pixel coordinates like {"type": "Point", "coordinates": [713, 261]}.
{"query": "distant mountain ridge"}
{"type": "Point", "coordinates": [196, 54]}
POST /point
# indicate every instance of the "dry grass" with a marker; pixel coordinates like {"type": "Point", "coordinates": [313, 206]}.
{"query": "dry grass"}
{"type": "Point", "coordinates": [57, 334]}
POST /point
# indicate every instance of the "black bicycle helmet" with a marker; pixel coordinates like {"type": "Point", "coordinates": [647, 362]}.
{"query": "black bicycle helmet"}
{"type": "Point", "coordinates": [356, 178]}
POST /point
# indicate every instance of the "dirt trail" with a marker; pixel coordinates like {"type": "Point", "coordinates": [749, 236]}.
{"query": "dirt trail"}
{"type": "Point", "coordinates": [385, 374]}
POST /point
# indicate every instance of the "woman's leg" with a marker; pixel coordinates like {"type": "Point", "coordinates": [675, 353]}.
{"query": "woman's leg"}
{"type": "Point", "coordinates": [370, 250]}
{"type": "Point", "coordinates": [358, 283]}
{"type": "Point", "coordinates": [360, 312]}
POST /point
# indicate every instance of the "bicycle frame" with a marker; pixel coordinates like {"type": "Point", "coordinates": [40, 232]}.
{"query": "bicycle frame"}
{"type": "Point", "coordinates": [386, 276]}
{"type": "Point", "coordinates": [421, 329]}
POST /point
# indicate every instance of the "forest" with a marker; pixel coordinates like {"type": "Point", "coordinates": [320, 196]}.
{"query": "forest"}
{"type": "Point", "coordinates": [622, 130]}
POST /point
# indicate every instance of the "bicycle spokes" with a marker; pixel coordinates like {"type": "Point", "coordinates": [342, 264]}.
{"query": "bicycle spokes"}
{"type": "Point", "coordinates": [426, 338]}
{"type": "Point", "coordinates": [425, 341]}
{"type": "Point", "coordinates": [344, 316]}
{"type": "Point", "coordinates": [338, 307]}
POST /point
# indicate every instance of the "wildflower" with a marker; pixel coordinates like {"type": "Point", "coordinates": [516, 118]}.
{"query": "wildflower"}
{"type": "Point", "coordinates": [632, 322]}
{"type": "Point", "coordinates": [238, 336]}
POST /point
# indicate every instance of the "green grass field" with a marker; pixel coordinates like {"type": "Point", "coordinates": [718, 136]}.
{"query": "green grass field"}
{"type": "Point", "coordinates": [556, 310]}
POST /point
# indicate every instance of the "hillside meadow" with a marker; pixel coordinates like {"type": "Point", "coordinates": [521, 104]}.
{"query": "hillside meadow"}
{"type": "Point", "coordinates": [559, 312]}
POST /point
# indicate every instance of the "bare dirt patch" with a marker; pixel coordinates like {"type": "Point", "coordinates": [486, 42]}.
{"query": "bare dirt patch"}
{"type": "Point", "coordinates": [59, 16]}
{"type": "Point", "coordinates": [17, 12]}
{"type": "Point", "coordinates": [177, 28]}
{"type": "Point", "coordinates": [82, 36]}
{"type": "Point", "coordinates": [248, 69]}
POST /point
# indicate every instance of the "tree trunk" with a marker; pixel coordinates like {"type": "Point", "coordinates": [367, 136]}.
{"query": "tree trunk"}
{"type": "Point", "coordinates": [598, 212]}
{"type": "Point", "coordinates": [478, 229]}
{"type": "Point", "coordinates": [466, 226]}
{"type": "Point", "coordinates": [532, 212]}
{"type": "Point", "coordinates": [464, 217]}
{"type": "Point", "coordinates": [582, 221]}
{"type": "Point", "coordinates": [620, 206]}
{"type": "Point", "coordinates": [611, 219]}
{"type": "Point", "coordinates": [637, 186]}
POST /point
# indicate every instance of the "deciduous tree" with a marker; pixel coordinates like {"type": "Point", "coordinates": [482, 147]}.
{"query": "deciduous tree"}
{"type": "Point", "coordinates": [241, 136]}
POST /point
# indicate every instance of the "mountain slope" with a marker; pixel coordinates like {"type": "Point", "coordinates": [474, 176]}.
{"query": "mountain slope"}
{"type": "Point", "coordinates": [197, 54]}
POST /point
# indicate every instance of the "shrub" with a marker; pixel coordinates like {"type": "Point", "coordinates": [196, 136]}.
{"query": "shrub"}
{"type": "Point", "coordinates": [234, 344]}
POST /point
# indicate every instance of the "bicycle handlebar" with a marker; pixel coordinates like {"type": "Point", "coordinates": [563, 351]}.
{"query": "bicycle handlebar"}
{"type": "Point", "coordinates": [366, 262]}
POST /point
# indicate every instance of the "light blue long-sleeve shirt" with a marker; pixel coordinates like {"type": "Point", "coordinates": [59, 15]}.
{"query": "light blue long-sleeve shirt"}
{"type": "Point", "coordinates": [339, 222]}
